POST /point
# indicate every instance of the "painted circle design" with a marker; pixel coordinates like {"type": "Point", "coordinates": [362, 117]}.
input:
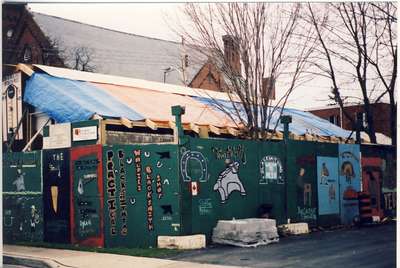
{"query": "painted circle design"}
{"type": "Point", "coordinates": [197, 156]}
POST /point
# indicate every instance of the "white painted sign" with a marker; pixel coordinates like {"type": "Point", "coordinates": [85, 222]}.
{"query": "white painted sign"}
{"type": "Point", "coordinates": [12, 105]}
{"type": "Point", "coordinates": [59, 136]}
{"type": "Point", "coordinates": [84, 133]}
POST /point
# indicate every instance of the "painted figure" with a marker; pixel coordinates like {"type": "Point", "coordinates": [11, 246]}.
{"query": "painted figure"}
{"type": "Point", "coordinates": [324, 174]}
{"type": "Point", "coordinates": [34, 218]}
{"type": "Point", "coordinates": [229, 181]}
{"type": "Point", "coordinates": [348, 171]}
{"type": "Point", "coordinates": [19, 181]}
{"type": "Point", "coordinates": [332, 193]}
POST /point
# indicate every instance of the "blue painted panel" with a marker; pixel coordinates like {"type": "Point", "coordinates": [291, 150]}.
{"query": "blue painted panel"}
{"type": "Point", "coordinates": [328, 185]}
{"type": "Point", "coordinates": [349, 181]}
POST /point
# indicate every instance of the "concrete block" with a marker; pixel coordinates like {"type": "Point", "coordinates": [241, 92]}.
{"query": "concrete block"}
{"type": "Point", "coordinates": [182, 242]}
{"type": "Point", "coordinates": [246, 232]}
{"type": "Point", "coordinates": [295, 228]}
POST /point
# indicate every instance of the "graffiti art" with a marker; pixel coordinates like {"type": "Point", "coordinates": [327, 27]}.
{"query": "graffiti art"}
{"type": "Point", "coordinates": [229, 181]}
{"type": "Point", "coordinates": [198, 157]}
{"type": "Point", "coordinates": [271, 170]}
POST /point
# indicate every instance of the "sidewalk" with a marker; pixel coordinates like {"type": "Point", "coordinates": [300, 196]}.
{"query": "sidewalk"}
{"type": "Point", "coordinates": [73, 259]}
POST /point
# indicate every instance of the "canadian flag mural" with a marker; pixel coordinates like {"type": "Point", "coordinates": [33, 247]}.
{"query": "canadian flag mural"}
{"type": "Point", "coordinates": [194, 188]}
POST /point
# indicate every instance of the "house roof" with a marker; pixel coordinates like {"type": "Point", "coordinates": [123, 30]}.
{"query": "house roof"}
{"type": "Point", "coordinates": [57, 92]}
{"type": "Point", "coordinates": [120, 53]}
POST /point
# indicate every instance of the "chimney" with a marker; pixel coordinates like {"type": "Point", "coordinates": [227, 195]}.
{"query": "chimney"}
{"type": "Point", "coordinates": [268, 88]}
{"type": "Point", "coordinates": [231, 53]}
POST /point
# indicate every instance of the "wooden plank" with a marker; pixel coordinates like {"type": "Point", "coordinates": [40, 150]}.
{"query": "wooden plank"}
{"type": "Point", "coordinates": [126, 122]}
{"type": "Point", "coordinates": [102, 132]}
{"type": "Point", "coordinates": [194, 128]}
{"type": "Point", "coordinates": [232, 131]}
{"type": "Point", "coordinates": [25, 69]}
{"type": "Point", "coordinates": [203, 133]}
{"type": "Point", "coordinates": [151, 124]}
{"type": "Point", "coordinates": [214, 130]}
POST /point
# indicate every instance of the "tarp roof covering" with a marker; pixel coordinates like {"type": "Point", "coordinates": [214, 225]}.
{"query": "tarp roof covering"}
{"type": "Point", "coordinates": [302, 122]}
{"type": "Point", "coordinates": [68, 100]}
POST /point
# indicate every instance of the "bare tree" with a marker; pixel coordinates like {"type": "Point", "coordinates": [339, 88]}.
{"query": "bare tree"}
{"type": "Point", "coordinates": [81, 58]}
{"type": "Point", "coordinates": [266, 50]}
{"type": "Point", "coordinates": [358, 51]}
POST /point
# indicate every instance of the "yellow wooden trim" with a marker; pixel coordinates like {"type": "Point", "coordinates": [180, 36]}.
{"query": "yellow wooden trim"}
{"type": "Point", "coordinates": [102, 130]}
{"type": "Point", "coordinates": [126, 122]}
{"type": "Point", "coordinates": [25, 69]}
{"type": "Point", "coordinates": [214, 130]}
{"type": "Point", "coordinates": [203, 132]}
{"type": "Point", "coordinates": [232, 131]}
{"type": "Point", "coordinates": [194, 127]}
{"type": "Point", "coordinates": [151, 124]}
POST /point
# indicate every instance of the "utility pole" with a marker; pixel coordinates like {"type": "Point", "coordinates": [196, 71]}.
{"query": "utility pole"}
{"type": "Point", "coordinates": [184, 61]}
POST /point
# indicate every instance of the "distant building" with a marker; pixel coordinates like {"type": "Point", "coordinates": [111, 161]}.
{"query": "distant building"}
{"type": "Point", "coordinates": [35, 38]}
{"type": "Point", "coordinates": [380, 113]}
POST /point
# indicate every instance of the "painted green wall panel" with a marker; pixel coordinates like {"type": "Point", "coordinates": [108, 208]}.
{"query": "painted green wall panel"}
{"type": "Point", "coordinates": [22, 217]}
{"type": "Point", "coordinates": [302, 180]}
{"type": "Point", "coordinates": [229, 182]}
{"type": "Point", "coordinates": [22, 196]}
{"type": "Point", "coordinates": [22, 172]}
{"type": "Point", "coordinates": [146, 199]}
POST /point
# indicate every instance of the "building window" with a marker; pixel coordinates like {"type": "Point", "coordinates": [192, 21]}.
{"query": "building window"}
{"type": "Point", "coordinates": [10, 33]}
{"type": "Point", "coordinates": [334, 119]}
{"type": "Point", "coordinates": [27, 56]}
{"type": "Point", "coordinates": [362, 117]}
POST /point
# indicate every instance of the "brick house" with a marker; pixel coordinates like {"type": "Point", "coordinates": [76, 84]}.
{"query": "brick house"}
{"type": "Point", "coordinates": [380, 111]}
{"type": "Point", "coordinates": [23, 40]}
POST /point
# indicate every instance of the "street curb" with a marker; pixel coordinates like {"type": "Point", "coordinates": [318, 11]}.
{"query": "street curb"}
{"type": "Point", "coordinates": [29, 262]}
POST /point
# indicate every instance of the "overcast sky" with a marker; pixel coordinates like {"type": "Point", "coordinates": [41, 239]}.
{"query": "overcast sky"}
{"type": "Point", "coordinates": [152, 19]}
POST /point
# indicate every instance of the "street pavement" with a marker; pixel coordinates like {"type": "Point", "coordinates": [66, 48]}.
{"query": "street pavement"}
{"type": "Point", "coordinates": [366, 247]}
{"type": "Point", "coordinates": [81, 259]}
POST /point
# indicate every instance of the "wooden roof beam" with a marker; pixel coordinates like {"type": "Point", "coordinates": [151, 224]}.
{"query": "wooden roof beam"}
{"type": "Point", "coordinates": [214, 130]}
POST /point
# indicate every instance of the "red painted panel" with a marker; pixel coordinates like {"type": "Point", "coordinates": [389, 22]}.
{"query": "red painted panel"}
{"type": "Point", "coordinates": [91, 240]}
{"type": "Point", "coordinates": [372, 182]}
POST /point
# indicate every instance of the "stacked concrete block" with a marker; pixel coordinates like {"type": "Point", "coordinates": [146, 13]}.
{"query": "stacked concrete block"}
{"type": "Point", "coordinates": [246, 232]}
{"type": "Point", "coordinates": [294, 228]}
{"type": "Point", "coordinates": [182, 242]}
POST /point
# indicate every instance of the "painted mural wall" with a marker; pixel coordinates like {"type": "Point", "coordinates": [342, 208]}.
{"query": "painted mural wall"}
{"type": "Point", "coordinates": [328, 185]}
{"type": "Point", "coordinates": [86, 200]}
{"type": "Point", "coordinates": [302, 187]}
{"type": "Point", "coordinates": [141, 194]}
{"type": "Point", "coordinates": [56, 195]}
{"type": "Point", "coordinates": [349, 181]}
{"type": "Point", "coordinates": [229, 179]}
{"type": "Point", "coordinates": [22, 197]}
{"type": "Point", "coordinates": [379, 168]}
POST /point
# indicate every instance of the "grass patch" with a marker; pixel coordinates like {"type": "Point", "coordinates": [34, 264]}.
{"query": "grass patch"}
{"type": "Point", "coordinates": [138, 252]}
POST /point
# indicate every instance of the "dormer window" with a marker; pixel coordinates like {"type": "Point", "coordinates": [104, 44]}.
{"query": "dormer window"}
{"type": "Point", "coordinates": [10, 33]}
{"type": "Point", "coordinates": [27, 58]}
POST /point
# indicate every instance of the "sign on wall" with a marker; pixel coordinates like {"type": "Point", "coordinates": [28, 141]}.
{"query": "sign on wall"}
{"type": "Point", "coordinates": [12, 105]}
{"type": "Point", "coordinates": [59, 136]}
{"type": "Point", "coordinates": [328, 185]}
{"type": "Point", "coordinates": [84, 133]}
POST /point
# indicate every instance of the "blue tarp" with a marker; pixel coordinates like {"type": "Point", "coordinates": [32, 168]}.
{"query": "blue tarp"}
{"type": "Point", "coordinates": [68, 100]}
{"type": "Point", "coordinates": [302, 122]}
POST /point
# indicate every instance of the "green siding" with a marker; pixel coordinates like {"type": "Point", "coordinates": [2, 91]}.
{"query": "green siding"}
{"type": "Point", "coordinates": [201, 212]}
{"type": "Point", "coordinates": [147, 211]}
{"type": "Point", "coordinates": [22, 197]}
